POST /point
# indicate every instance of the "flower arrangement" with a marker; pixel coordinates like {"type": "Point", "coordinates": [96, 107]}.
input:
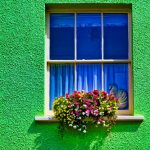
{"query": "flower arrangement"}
{"type": "Point", "coordinates": [80, 108]}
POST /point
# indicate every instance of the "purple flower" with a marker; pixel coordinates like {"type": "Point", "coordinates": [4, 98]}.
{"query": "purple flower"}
{"type": "Point", "coordinates": [77, 113]}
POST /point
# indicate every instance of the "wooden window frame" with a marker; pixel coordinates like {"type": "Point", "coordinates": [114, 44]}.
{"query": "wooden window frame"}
{"type": "Point", "coordinates": [47, 111]}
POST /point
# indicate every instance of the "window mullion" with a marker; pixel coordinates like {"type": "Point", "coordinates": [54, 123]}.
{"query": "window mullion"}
{"type": "Point", "coordinates": [75, 77]}
{"type": "Point", "coordinates": [102, 36]}
{"type": "Point", "coordinates": [75, 52]}
{"type": "Point", "coordinates": [102, 48]}
{"type": "Point", "coordinates": [75, 38]}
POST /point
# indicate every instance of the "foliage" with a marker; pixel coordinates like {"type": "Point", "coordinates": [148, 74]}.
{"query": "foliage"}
{"type": "Point", "coordinates": [80, 108]}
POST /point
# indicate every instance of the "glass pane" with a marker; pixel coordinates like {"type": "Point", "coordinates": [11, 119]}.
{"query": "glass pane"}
{"type": "Point", "coordinates": [62, 36]}
{"type": "Point", "coordinates": [88, 77]}
{"type": "Point", "coordinates": [116, 36]}
{"type": "Point", "coordinates": [88, 36]}
{"type": "Point", "coordinates": [61, 80]}
{"type": "Point", "coordinates": [116, 82]}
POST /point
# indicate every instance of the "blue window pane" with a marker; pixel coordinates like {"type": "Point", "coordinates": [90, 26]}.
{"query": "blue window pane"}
{"type": "Point", "coordinates": [61, 80]}
{"type": "Point", "coordinates": [88, 77]}
{"type": "Point", "coordinates": [116, 82]}
{"type": "Point", "coordinates": [116, 36]}
{"type": "Point", "coordinates": [62, 36]}
{"type": "Point", "coordinates": [88, 36]}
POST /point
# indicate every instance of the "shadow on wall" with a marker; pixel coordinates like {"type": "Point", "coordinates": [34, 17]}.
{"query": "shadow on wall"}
{"type": "Point", "coordinates": [49, 139]}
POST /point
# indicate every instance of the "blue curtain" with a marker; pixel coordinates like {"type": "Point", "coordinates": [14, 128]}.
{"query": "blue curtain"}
{"type": "Point", "coordinates": [61, 80]}
{"type": "Point", "coordinates": [88, 77]}
{"type": "Point", "coordinates": [116, 81]}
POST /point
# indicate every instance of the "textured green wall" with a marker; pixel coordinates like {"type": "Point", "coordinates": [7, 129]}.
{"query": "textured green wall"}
{"type": "Point", "coordinates": [22, 82]}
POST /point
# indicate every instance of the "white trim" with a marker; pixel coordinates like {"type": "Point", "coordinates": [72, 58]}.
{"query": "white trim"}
{"type": "Point", "coordinates": [102, 49]}
{"type": "Point", "coordinates": [102, 73]}
{"type": "Point", "coordinates": [119, 118]}
{"type": "Point", "coordinates": [47, 67]}
{"type": "Point", "coordinates": [90, 61]}
{"type": "Point", "coordinates": [75, 76]}
{"type": "Point", "coordinates": [130, 118]}
{"type": "Point", "coordinates": [75, 50]}
{"type": "Point", "coordinates": [45, 118]}
{"type": "Point", "coordinates": [75, 36]}
{"type": "Point", "coordinates": [102, 35]}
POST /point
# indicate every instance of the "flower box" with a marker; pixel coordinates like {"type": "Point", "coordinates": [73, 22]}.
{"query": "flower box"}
{"type": "Point", "coordinates": [77, 109]}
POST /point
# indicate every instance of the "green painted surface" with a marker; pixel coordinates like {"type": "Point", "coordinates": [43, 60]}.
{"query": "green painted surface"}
{"type": "Point", "coordinates": [22, 82]}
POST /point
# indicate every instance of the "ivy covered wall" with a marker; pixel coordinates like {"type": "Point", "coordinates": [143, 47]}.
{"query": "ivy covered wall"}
{"type": "Point", "coordinates": [22, 82]}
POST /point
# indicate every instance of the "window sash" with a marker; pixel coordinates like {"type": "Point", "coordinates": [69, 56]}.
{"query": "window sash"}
{"type": "Point", "coordinates": [102, 37]}
{"type": "Point", "coordinates": [100, 61]}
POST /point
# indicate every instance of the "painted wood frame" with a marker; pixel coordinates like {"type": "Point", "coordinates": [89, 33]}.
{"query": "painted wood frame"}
{"type": "Point", "coordinates": [48, 112]}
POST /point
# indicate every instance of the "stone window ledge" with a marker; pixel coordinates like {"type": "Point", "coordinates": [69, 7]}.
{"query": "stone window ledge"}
{"type": "Point", "coordinates": [119, 118]}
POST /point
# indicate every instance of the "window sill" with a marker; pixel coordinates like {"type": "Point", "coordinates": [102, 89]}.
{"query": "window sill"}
{"type": "Point", "coordinates": [119, 118]}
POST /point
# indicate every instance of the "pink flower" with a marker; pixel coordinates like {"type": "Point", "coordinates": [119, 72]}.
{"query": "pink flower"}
{"type": "Point", "coordinates": [89, 100]}
{"type": "Point", "coordinates": [95, 97]}
{"type": "Point", "coordinates": [96, 112]}
{"type": "Point", "coordinates": [87, 112]}
{"type": "Point", "coordinates": [67, 95]}
{"type": "Point", "coordinates": [90, 93]}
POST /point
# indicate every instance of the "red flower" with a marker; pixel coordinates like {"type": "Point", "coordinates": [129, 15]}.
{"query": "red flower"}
{"type": "Point", "coordinates": [96, 92]}
{"type": "Point", "coordinates": [76, 94]}
{"type": "Point", "coordinates": [104, 93]}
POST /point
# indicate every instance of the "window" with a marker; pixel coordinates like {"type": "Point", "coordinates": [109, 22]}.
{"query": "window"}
{"type": "Point", "coordinates": [87, 50]}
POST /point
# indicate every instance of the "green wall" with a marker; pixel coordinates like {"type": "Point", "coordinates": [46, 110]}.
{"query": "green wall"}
{"type": "Point", "coordinates": [22, 82]}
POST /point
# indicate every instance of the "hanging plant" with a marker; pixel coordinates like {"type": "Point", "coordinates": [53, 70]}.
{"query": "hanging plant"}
{"type": "Point", "coordinates": [80, 108]}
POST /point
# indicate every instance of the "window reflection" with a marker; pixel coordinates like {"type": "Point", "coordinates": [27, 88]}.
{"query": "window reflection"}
{"type": "Point", "coordinates": [88, 36]}
{"type": "Point", "coordinates": [116, 82]}
{"type": "Point", "coordinates": [61, 36]}
{"type": "Point", "coordinates": [116, 36]}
